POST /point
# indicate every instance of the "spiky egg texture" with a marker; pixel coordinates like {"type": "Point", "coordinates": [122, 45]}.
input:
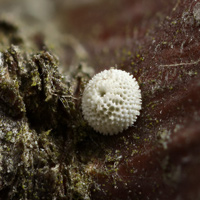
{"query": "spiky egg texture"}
{"type": "Point", "coordinates": [111, 101]}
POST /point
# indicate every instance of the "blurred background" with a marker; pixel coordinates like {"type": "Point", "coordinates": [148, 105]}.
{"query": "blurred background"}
{"type": "Point", "coordinates": [83, 31]}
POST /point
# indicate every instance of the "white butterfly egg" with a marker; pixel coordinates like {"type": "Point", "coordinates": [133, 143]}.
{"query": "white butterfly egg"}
{"type": "Point", "coordinates": [111, 101]}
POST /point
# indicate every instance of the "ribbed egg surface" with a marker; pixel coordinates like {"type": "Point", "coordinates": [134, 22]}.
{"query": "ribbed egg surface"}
{"type": "Point", "coordinates": [111, 101]}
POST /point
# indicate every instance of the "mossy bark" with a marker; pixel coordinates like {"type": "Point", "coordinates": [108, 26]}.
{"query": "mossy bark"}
{"type": "Point", "coordinates": [37, 159]}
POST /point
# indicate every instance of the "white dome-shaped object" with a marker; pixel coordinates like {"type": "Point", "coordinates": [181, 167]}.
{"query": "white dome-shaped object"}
{"type": "Point", "coordinates": [111, 101]}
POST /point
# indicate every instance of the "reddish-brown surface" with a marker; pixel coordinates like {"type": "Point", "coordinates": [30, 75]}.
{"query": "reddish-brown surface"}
{"type": "Point", "coordinates": [159, 42]}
